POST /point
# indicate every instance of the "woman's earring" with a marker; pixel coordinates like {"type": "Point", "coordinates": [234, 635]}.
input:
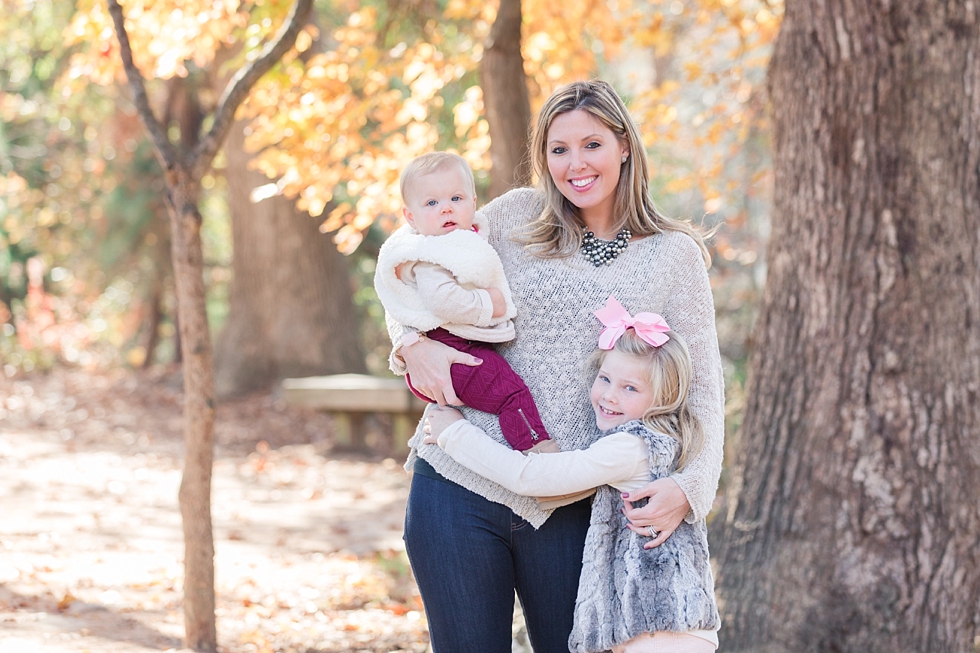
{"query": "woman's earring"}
{"type": "Point", "coordinates": [623, 160]}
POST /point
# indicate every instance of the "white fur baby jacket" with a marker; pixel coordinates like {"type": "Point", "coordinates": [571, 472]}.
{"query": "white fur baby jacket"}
{"type": "Point", "coordinates": [466, 255]}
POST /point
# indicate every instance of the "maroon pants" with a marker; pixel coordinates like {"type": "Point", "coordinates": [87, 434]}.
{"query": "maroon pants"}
{"type": "Point", "coordinates": [492, 387]}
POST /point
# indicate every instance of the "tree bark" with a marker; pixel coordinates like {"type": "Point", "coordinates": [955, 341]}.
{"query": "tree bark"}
{"type": "Point", "coordinates": [506, 101]}
{"type": "Point", "coordinates": [291, 302]}
{"type": "Point", "coordinates": [183, 172]}
{"type": "Point", "coordinates": [852, 516]}
{"type": "Point", "coordinates": [198, 369]}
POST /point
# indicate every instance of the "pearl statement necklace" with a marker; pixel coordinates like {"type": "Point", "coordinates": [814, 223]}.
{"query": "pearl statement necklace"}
{"type": "Point", "coordinates": [602, 252]}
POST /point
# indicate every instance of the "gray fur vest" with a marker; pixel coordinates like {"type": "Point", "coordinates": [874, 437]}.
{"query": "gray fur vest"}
{"type": "Point", "coordinates": [626, 590]}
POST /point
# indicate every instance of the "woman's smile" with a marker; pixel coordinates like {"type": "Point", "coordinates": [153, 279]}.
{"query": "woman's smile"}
{"type": "Point", "coordinates": [584, 159]}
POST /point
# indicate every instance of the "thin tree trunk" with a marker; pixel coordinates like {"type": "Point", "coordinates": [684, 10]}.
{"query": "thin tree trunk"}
{"type": "Point", "coordinates": [851, 521]}
{"type": "Point", "coordinates": [183, 172]}
{"type": "Point", "coordinates": [198, 369]}
{"type": "Point", "coordinates": [291, 302]}
{"type": "Point", "coordinates": [506, 101]}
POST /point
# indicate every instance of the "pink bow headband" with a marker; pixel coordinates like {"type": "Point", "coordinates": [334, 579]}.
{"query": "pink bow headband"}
{"type": "Point", "coordinates": [649, 326]}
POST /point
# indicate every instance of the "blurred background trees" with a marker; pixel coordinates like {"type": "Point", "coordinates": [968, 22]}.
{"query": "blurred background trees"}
{"type": "Point", "coordinates": [305, 188]}
{"type": "Point", "coordinates": [325, 135]}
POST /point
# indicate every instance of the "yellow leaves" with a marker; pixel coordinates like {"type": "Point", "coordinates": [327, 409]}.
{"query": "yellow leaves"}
{"type": "Point", "coordinates": [336, 218]}
{"type": "Point", "coordinates": [537, 46]}
{"type": "Point", "coordinates": [702, 113]}
{"type": "Point", "coordinates": [15, 196]}
{"type": "Point", "coordinates": [679, 184]}
{"type": "Point", "coordinates": [163, 35]}
{"type": "Point", "coordinates": [469, 10]}
{"type": "Point", "coordinates": [715, 132]}
{"type": "Point", "coordinates": [12, 185]}
{"type": "Point", "coordinates": [712, 205]}
{"type": "Point", "coordinates": [341, 129]}
{"type": "Point", "coordinates": [303, 41]}
{"type": "Point", "coordinates": [563, 41]}
{"type": "Point", "coordinates": [653, 32]}
{"type": "Point", "coordinates": [468, 112]}
{"type": "Point", "coordinates": [412, 110]}
{"type": "Point", "coordinates": [336, 130]}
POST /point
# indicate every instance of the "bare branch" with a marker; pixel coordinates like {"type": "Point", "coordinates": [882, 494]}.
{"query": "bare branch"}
{"type": "Point", "coordinates": [240, 85]}
{"type": "Point", "coordinates": [168, 153]}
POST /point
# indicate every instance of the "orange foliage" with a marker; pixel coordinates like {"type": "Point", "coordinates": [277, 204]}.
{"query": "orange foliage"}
{"type": "Point", "coordinates": [334, 128]}
{"type": "Point", "coordinates": [344, 122]}
{"type": "Point", "coordinates": [165, 35]}
{"type": "Point", "coordinates": [719, 102]}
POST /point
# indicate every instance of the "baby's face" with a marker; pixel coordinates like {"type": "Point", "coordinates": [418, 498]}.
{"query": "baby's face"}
{"type": "Point", "coordinates": [440, 202]}
{"type": "Point", "coordinates": [621, 391]}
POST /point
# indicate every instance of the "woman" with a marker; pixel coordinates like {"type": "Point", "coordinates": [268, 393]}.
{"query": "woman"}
{"type": "Point", "coordinates": [471, 542]}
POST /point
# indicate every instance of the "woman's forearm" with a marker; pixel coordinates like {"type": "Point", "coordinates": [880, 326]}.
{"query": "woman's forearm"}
{"type": "Point", "coordinates": [691, 314]}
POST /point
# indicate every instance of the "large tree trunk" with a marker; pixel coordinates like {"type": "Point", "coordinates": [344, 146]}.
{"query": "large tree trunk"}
{"type": "Point", "coordinates": [852, 518]}
{"type": "Point", "coordinates": [506, 101]}
{"type": "Point", "coordinates": [291, 306]}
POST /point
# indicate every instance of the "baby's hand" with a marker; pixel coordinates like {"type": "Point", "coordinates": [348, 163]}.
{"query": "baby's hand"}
{"type": "Point", "coordinates": [497, 298]}
{"type": "Point", "coordinates": [439, 419]}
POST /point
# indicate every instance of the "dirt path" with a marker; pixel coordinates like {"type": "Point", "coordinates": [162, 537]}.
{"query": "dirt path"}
{"type": "Point", "coordinates": [309, 556]}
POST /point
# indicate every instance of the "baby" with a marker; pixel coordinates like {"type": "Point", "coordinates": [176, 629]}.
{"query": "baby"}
{"type": "Point", "coordinates": [439, 275]}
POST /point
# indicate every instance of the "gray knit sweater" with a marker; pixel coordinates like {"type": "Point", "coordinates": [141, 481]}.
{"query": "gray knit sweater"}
{"type": "Point", "coordinates": [556, 331]}
{"type": "Point", "coordinates": [625, 590]}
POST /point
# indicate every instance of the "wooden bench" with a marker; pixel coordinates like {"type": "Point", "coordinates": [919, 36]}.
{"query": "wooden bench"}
{"type": "Point", "coordinates": [350, 398]}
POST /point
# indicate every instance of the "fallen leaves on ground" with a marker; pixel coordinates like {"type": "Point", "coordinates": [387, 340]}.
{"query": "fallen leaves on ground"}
{"type": "Point", "coordinates": [309, 557]}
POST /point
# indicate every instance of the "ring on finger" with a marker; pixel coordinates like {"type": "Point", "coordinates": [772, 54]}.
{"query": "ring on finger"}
{"type": "Point", "coordinates": [652, 532]}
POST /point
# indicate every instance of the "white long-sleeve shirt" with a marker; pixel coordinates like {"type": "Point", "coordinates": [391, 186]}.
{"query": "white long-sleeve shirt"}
{"type": "Point", "coordinates": [618, 459]}
{"type": "Point", "coordinates": [445, 297]}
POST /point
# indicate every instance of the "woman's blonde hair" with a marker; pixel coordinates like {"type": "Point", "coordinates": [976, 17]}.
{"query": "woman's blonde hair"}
{"type": "Point", "coordinates": [557, 232]}
{"type": "Point", "coordinates": [669, 373]}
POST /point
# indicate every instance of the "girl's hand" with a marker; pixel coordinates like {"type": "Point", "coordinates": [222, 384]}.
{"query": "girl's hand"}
{"type": "Point", "coordinates": [428, 363]}
{"type": "Point", "coordinates": [667, 508]}
{"type": "Point", "coordinates": [439, 419]}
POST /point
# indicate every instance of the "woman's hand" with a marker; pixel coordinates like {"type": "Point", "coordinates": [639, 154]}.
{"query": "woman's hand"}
{"type": "Point", "coordinates": [439, 419]}
{"type": "Point", "coordinates": [428, 363]}
{"type": "Point", "coordinates": [667, 508]}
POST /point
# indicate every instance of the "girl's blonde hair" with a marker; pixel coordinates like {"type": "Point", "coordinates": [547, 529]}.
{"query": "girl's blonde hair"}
{"type": "Point", "coordinates": [669, 373]}
{"type": "Point", "coordinates": [557, 232]}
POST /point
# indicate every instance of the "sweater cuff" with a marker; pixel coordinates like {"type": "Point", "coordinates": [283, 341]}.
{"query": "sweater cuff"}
{"type": "Point", "coordinates": [395, 361]}
{"type": "Point", "coordinates": [685, 486]}
{"type": "Point", "coordinates": [486, 310]}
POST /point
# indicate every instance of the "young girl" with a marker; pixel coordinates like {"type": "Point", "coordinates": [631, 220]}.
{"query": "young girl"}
{"type": "Point", "coordinates": [631, 598]}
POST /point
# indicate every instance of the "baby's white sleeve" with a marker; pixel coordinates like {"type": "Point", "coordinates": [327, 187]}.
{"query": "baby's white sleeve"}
{"type": "Point", "coordinates": [449, 301]}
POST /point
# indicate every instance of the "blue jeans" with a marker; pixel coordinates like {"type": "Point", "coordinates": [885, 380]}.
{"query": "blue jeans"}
{"type": "Point", "coordinates": [469, 555]}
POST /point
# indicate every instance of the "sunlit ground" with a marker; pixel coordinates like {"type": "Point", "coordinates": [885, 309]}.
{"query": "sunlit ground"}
{"type": "Point", "coordinates": [309, 556]}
